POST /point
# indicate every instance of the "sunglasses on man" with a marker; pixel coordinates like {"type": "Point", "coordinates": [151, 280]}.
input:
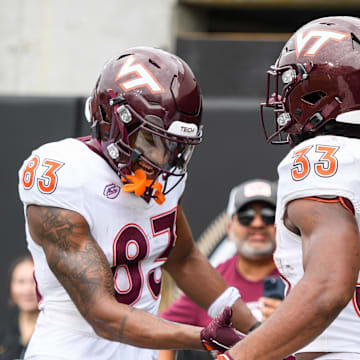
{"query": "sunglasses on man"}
{"type": "Point", "coordinates": [247, 216]}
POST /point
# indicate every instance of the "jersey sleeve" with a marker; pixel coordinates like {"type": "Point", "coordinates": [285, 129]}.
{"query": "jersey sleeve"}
{"type": "Point", "coordinates": [321, 166]}
{"type": "Point", "coordinates": [54, 175]}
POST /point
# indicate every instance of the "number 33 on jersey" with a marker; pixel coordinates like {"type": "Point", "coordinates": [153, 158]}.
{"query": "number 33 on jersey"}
{"type": "Point", "coordinates": [325, 166]}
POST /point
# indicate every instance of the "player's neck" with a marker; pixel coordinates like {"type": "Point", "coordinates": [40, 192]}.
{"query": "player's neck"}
{"type": "Point", "coordinates": [255, 270]}
{"type": "Point", "coordinates": [28, 316]}
{"type": "Point", "coordinates": [27, 320]}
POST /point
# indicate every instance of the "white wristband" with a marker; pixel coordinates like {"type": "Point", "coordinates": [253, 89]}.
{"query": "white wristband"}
{"type": "Point", "coordinates": [227, 298]}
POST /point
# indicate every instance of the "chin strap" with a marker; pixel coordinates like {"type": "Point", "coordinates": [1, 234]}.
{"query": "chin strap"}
{"type": "Point", "coordinates": [138, 183]}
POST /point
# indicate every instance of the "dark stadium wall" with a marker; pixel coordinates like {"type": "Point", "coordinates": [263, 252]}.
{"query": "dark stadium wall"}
{"type": "Point", "coordinates": [26, 123]}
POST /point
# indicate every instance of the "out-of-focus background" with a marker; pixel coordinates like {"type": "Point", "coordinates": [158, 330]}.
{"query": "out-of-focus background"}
{"type": "Point", "coordinates": [51, 52]}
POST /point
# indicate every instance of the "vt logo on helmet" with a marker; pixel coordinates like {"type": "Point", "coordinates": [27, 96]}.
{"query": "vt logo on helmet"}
{"type": "Point", "coordinates": [320, 37]}
{"type": "Point", "coordinates": [145, 113]}
{"type": "Point", "coordinates": [143, 77]}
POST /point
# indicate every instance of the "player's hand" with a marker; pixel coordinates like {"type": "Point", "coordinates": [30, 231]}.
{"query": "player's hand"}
{"type": "Point", "coordinates": [219, 335]}
{"type": "Point", "coordinates": [268, 306]}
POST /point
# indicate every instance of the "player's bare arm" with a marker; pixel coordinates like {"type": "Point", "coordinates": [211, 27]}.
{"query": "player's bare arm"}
{"type": "Point", "coordinates": [189, 268]}
{"type": "Point", "coordinates": [331, 248]}
{"type": "Point", "coordinates": [82, 268]}
{"type": "Point", "coordinates": [77, 261]}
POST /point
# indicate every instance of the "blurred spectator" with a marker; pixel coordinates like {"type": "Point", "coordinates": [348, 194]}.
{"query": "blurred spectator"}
{"type": "Point", "coordinates": [18, 324]}
{"type": "Point", "coordinates": [251, 235]}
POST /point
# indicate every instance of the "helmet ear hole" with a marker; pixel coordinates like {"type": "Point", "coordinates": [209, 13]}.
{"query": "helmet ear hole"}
{"type": "Point", "coordinates": [103, 114]}
{"type": "Point", "coordinates": [104, 124]}
{"type": "Point", "coordinates": [313, 97]}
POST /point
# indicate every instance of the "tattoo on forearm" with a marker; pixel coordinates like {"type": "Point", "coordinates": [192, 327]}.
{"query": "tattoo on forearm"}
{"type": "Point", "coordinates": [123, 324]}
{"type": "Point", "coordinates": [73, 256]}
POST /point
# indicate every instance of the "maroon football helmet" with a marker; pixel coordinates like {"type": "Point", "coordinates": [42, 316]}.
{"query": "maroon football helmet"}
{"type": "Point", "coordinates": [146, 106]}
{"type": "Point", "coordinates": [319, 71]}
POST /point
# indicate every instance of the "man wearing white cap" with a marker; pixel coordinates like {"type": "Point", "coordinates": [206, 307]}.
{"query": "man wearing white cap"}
{"type": "Point", "coordinates": [251, 212]}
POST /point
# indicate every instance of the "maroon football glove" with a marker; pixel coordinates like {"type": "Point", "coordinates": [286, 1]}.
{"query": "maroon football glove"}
{"type": "Point", "coordinates": [219, 335]}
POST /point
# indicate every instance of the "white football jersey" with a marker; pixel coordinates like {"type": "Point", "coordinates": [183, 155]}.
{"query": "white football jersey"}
{"type": "Point", "coordinates": [321, 166]}
{"type": "Point", "coordinates": [135, 236]}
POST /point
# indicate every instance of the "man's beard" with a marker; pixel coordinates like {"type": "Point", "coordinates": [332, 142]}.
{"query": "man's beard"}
{"type": "Point", "coordinates": [251, 253]}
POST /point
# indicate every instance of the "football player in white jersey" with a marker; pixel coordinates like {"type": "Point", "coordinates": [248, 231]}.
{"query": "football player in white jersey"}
{"type": "Point", "coordinates": [316, 100]}
{"type": "Point", "coordinates": [103, 217]}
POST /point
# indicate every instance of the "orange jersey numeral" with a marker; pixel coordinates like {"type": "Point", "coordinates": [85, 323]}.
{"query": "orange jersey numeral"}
{"type": "Point", "coordinates": [47, 182]}
{"type": "Point", "coordinates": [29, 173]}
{"type": "Point", "coordinates": [301, 164]}
{"type": "Point", "coordinates": [326, 166]}
{"type": "Point", "coordinates": [328, 163]}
